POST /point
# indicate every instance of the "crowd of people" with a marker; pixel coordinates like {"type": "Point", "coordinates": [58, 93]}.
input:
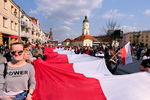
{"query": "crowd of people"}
{"type": "Point", "coordinates": [111, 56]}
{"type": "Point", "coordinates": [17, 73]}
{"type": "Point", "coordinates": [108, 53]}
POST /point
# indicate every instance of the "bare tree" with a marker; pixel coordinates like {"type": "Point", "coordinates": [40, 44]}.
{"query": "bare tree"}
{"type": "Point", "coordinates": [110, 25]}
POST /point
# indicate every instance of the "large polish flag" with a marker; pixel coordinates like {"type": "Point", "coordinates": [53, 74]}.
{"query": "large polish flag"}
{"type": "Point", "coordinates": [82, 77]}
{"type": "Point", "coordinates": [126, 54]}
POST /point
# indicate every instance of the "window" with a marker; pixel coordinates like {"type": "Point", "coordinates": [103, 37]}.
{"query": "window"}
{"type": "Point", "coordinates": [142, 36]}
{"type": "Point", "coordinates": [4, 21]}
{"type": "Point", "coordinates": [147, 36]}
{"type": "Point", "coordinates": [142, 40]}
{"type": "Point", "coordinates": [11, 25]}
{"type": "Point", "coordinates": [5, 4]}
{"type": "Point", "coordinates": [32, 33]}
{"type": "Point", "coordinates": [12, 9]}
{"type": "Point", "coordinates": [15, 27]}
{"type": "Point", "coordinates": [15, 11]}
{"type": "Point", "coordinates": [146, 40]}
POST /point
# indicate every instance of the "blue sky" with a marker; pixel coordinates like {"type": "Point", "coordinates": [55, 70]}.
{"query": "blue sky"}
{"type": "Point", "coordinates": [65, 17]}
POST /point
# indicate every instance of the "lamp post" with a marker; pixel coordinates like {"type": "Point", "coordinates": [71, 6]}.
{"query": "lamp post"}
{"type": "Point", "coordinates": [15, 13]}
{"type": "Point", "coordinates": [139, 34]}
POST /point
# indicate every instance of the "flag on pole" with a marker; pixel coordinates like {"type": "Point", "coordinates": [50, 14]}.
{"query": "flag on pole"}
{"type": "Point", "coordinates": [126, 54]}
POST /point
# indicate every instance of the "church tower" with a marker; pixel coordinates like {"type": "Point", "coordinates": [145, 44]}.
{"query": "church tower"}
{"type": "Point", "coordinates": [51, 34]}
{"type": "Point", "coordinates": [85, 29]}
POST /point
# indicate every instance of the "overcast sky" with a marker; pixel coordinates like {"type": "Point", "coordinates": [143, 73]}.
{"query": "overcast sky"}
{"type": "Point", "coordinates": [65, 17]}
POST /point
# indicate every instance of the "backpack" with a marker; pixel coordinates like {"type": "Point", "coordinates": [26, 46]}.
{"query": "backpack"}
{"type": "Point", "coordinates": [5, 70]}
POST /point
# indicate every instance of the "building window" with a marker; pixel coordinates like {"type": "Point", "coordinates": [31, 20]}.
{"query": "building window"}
{"type": "Point", "coordinates": [142, 36]}
{"type": "Point", "coordinates": [146, 40]}
{"type": "Point", "coordinates": [32, 33]}
{"type": "Point", "coordinates": [15, 11]}
{"type": "Point", "coordinates": [12, 9]}
{"type": "Point", "coordinates": [130, 37]}
{"type": "Point", "coordinates": [11, 25]}
{"type": "Point", "coordinates": [142, 40]}
{"type": "Point", "coordinates": [15, 27]}
{"type": "Point", "coordinates": [4, 21]}
{"type": "Point", "coordinates": [5, 4]}
{"type": "Point", "coordinates": [146, 36]}
{"type": "Point", "coordinates": [89, 44]}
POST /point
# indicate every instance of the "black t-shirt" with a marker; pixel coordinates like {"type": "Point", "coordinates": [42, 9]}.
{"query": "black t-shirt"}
{"type": "Point", "coordinates": [146, 63]}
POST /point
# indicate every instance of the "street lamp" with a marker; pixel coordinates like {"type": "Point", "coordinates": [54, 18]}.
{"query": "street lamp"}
{"type": "Point", "coordinates": [15, 13]}
{"type": "Point", "coordinates": [139, 34]}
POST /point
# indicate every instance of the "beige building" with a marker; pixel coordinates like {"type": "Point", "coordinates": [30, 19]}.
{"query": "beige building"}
{"type": "Point", "coordinates": [139, 38]}
{"type": "Point", "coordinates": [36, 30]}
{"type": "Point", "coordinates": [66, 42]}
{"type": "Point", "coordinates": [85, 39]}
{"type": "Point", "coordinates": [24, 26]}
{"type": "Point", "coordinates": [8, 22]}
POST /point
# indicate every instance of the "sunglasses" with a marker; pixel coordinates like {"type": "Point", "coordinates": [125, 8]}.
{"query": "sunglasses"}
{"type": "Point", "coordinates": [19, 52]}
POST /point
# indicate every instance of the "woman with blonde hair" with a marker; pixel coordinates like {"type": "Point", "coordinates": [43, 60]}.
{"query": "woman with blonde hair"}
{"type": "Point", "coordinates": [17, 76]}
{"type": "Point", "coordinates": [26, 55]}
{"type": "Point", "coordinates": [37, 54]}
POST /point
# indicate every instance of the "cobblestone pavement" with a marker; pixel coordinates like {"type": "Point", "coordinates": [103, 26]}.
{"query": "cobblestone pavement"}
{"type": "Point", "coordinates": [129, 68]}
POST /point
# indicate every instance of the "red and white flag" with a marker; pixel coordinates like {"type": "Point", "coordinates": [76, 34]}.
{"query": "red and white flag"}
{"type": "Point", "coordinates": [126, 54]}
{"type": "Point", "coordinates": [68, 76]}
{"type": "Point", "coordinates": [33, 45]}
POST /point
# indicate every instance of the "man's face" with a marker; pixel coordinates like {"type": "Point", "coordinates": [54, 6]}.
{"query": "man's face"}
{"type": "Point", "coordinates": [39, 46]}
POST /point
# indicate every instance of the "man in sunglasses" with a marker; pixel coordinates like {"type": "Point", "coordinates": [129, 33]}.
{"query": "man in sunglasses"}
{"type": "Point", "coordinates": [20, 75]}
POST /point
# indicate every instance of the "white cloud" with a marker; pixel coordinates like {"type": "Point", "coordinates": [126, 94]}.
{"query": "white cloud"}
{"type": "Point", "coordinates": [147, 12]}
{"type": "Point", "coordinates": [131, 15]}
{"type": "Point", "coordinates": [113, 14]}
{"type": "Point", "coordinates": [66, 11]}
{"type": "Point", "coordinates": [68, 23]}
{"type": "Point", "coordinates": [128, 29]}
{"type": "Point", "coordinates": [33, 11]}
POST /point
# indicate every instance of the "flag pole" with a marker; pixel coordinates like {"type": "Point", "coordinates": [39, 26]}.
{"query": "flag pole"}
{"type": "Point", "coordinates": [115, 55]}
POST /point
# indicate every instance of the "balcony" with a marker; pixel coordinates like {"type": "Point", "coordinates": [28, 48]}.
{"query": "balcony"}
{"type": "Point", "coordinates": [26, 25]}
{"type": "Point", "coordinates": [25, 34]}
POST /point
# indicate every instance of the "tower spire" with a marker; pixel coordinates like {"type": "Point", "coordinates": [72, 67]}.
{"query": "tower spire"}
{"type": "Point", "coordinates": [51, 34]}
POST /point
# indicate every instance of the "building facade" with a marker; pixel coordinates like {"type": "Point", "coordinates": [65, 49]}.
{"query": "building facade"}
{"type": "Point", "coordinates": [16, 25]}
{"type": "Point", "coordinates": [25, 27]}
{"type": "Point", "coordinates": [8, 22]}
{"type": "Point", "coordinates": [36, 30]}
{"type": "Point", "coordinates": [141, 38]}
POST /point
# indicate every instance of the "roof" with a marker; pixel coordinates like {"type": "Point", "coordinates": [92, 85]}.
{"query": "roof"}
{"type": "Point", "coordinates": [67, 40]}
{"type": "Point", "coordinates": [84, 37]}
